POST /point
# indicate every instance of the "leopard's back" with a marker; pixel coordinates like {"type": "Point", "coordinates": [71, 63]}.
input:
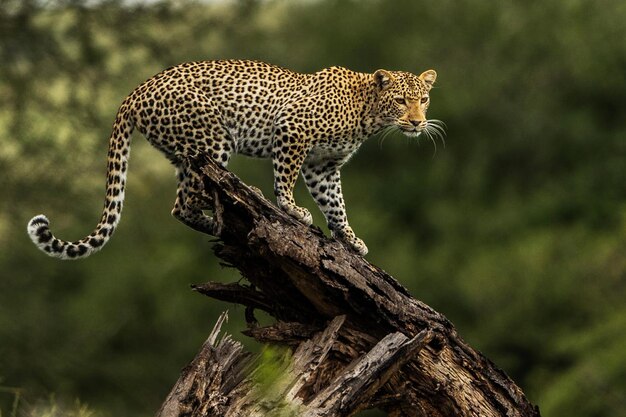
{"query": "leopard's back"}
{"type": "Point", "coordinates": [177, 109]}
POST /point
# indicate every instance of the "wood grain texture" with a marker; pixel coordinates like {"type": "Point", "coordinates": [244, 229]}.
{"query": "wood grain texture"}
{"type": "Point", "coordinates": [305, 280]}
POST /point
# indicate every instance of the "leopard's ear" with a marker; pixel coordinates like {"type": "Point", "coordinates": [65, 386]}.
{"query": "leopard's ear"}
{"type": "Point", "coordinates": [383, 79]}
{"type": "Point", "coordinates": [429, 77]}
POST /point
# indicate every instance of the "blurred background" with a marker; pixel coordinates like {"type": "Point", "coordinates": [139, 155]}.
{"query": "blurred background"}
{"type": "Point", "coordinates": [516, 231]}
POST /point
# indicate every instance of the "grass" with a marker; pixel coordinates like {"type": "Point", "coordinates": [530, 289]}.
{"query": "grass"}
{"type": "Point", "coordinates": [48, 408]}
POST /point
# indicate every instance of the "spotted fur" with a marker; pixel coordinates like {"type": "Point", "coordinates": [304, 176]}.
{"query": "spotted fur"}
{"type": "Point", "coordinates": [309, 123]}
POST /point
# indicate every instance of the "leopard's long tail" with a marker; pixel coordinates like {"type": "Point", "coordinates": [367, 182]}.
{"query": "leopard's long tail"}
{"type": "Point", "coordinates": [119, 150]}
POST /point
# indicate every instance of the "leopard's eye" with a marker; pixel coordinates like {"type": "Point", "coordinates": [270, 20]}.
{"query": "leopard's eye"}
{"type": "Point", "coordinates": [424, 100]}
{"type": "Point", "coordinates": [400, 100]}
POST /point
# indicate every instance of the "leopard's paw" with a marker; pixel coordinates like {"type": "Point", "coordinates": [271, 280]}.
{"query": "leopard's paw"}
{"type": "Point", "coordinates": [348, 237]}
{"type": "Point", "coordinates": [299, 213]}
{"type": "Point", "coordinates": [358, 246]}
{"type": "Point", "coordinates": [196, 220]}
{"type": "Point", "coordinates": [303, 215]}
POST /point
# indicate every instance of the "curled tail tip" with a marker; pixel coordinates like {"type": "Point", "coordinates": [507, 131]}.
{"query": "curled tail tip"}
{"type": "Point", "coordinates": [38, 220]}
{"type": "Point", "coordinates": [39, 232]}
{"type": "Point", "coordinates": [38, 228]}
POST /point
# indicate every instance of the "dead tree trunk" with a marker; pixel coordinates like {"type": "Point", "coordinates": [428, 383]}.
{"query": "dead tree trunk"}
{"type": "Point", "coordinates": [358, 339]}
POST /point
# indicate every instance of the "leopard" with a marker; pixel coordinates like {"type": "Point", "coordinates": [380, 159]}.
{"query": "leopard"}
{"type": "Point", "coordinates": [306, 123]}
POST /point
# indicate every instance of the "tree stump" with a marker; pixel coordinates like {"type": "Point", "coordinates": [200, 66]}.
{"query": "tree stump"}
{"type": "Point", "coordinates": [355, 338]}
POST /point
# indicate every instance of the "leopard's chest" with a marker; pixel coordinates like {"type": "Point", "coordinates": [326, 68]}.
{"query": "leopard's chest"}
{"type": "Point", "coordinates": [332, 151]}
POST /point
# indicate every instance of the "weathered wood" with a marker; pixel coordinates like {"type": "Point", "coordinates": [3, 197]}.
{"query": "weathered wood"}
{"type": "Point", "coordinates": [305, 279]}
{"type": "Point", "coordinates": [203, 386]}
{"type": "Point", "coordinates": [361, 380]}
{"type": "Point", "coordinates": [221, 379]}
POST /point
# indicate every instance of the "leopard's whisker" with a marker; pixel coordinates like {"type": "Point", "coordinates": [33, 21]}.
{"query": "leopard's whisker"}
{"type": "Point", "coordinates": [437, 127]}
{"type": "Point", "coordinates": [430, 137]}
{"type": "Point", "coordinates": [439, 135]}
{"type": "Point", "coordinates": [385, 133]}
{"type": "Point", "coordinates": [437, 122]}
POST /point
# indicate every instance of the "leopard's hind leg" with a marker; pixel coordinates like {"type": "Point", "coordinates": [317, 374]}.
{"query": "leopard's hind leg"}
{"type": "Point", "coordinates": [185, 123]}
{"type": "Point", "coordinates": [188, 205]}
{"type": "Point", "coordinates": [208, 136]}
{"type": "Point", "coordinates": [187, 208]}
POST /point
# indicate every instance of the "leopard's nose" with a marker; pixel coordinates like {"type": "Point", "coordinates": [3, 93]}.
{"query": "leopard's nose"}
{"type": "Point", "coordinates": [418, 123]}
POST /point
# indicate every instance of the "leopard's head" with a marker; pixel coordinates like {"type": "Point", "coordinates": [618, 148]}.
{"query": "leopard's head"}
{"type": "Point", "coordinates": [403, 100]}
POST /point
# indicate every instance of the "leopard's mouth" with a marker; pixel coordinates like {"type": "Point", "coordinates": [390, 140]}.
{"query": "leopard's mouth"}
{"type": "Point", "coordinates": [433, 129]}
{"type": "Point", "coordinates": [410, 129]}
{"type": "Point", "coordinates": [412, 133]}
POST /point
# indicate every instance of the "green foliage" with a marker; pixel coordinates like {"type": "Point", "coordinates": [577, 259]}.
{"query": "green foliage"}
{"type": "Point", "coordinates": [52, 408]}
{"type": "Point", "coordinates": [273, 362]}
{"type": "Point", "coordinates": [271, 378]}
{"type": "Point", "coordinates": [516, 230]}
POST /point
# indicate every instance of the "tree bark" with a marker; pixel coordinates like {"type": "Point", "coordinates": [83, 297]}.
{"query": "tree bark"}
{"type": "Point", "coordinates": [357, 338]}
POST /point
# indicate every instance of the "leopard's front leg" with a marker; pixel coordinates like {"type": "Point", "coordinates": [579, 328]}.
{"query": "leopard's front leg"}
{"type": "Point", "coordinates": [288, 154]}
{"type": "Point", "coordinates": [324, 183]}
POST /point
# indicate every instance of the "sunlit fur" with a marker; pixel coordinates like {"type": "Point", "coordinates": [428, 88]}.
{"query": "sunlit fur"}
{"type": "Point", "coordinates": [403, 102]}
